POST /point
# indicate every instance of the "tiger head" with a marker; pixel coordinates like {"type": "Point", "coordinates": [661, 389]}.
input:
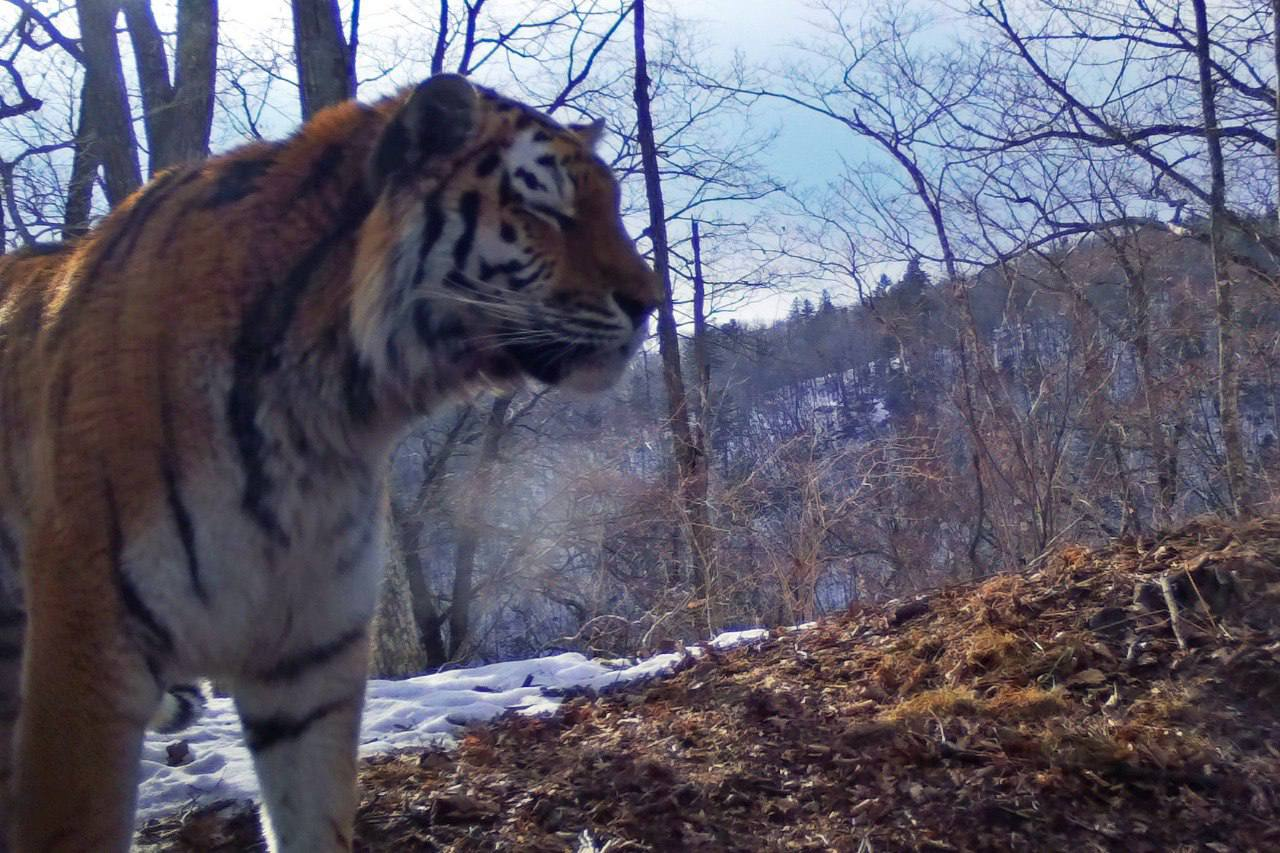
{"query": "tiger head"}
{"type": "Point", "coordinates": [496, 247]}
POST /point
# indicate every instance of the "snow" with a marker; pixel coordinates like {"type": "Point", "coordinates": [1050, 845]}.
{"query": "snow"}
{"type": "Point", "coordinates": [429, 710]}
{"type": "Point", "coordinates": [737, 638]}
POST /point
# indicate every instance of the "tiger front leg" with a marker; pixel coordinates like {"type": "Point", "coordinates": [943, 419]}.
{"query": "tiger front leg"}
{"type": "Point", "coordinates": [88, 692]}
{"type": "Point", "coordinates": [12, 624]}
{"type": "Point", "coordinates": [301, 721]}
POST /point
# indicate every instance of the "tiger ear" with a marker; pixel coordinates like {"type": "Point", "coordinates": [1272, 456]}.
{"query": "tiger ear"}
{"type": "Point", "coordinates": [590, 133]}
{"type": "Point", "coordinates": [436, 121]}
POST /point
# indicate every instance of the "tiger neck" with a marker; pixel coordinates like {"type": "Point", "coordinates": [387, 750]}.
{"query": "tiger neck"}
{"type": "Point", "coordinates": [298, 381]}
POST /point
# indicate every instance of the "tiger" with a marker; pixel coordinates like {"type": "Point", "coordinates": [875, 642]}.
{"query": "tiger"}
{"type": "Point", "coordinates": [198, 400]}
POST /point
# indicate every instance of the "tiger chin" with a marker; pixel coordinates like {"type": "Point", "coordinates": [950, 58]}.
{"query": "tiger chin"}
{"type": "Point", "coordinates": [197, 401]}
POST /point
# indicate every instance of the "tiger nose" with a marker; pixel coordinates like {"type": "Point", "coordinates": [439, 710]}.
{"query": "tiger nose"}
{"type": "Point", "coordinates": [636, 310]}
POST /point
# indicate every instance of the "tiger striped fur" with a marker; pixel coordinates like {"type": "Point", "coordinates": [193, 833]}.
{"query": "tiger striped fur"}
{"type": "Point", "coordinates": [197, 401]}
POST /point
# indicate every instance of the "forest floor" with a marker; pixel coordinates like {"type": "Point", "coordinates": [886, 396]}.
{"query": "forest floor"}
{"type": "Point", "coordinates": [1121, 699]}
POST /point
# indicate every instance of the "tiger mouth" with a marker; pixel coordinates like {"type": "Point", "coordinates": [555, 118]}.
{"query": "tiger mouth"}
{"type": "Point", "coordinates": [550, 362]}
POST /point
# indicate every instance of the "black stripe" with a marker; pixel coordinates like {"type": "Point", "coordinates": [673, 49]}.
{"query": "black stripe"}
{"type": "Point", "coordinates": [125, 235]}
{"type": "Point", "coordinates": [450, 327]}
{"type": "Point", "coordinates": [488, 270]}
{"type": "Point", "coordinates": [432, 229]}
{"type": "Point", "coordinates": [237, 181]}
{"type": "Point", "coordinates": [469, 208]}
{"type": "Point", "coordinates": [517, 282]}
{"type": "Point", "coordinates": [357, 388]}
{"type": "Point", "coordinates": [322, 169]}
{"type": "Point", "coordinates": [12, 618]}
{"type": "Point", "coordinates": [297, 435]}
{"type": "Point", "coordinates": [190, 700]}
{"type": "Point", "coordinates": [562, 221]}
{"type": "Point", "coordinates": [155, 194]}
{"type": "Point", "coordinates": [186, 529]}
{"type": "Point", "coordinates": [507, 195]}
{"type": "Point", "coordinates": [422, 316]}
{"type": "Point", "coordinates": [488, 165]}
{"type": "Point", "coordinates": [393, 355]}
{"type": "Point", "coordinates": [266, 733]}
{"type": "Point", "coordinates": [530, 179]}
{"type": "Point", "coordinates": [9, 549]}
{"type": "Point", "coordinates": [9, 651]}
{"type": "Point", "coordinates": [256, 355]}
{"type": "Point", "coordinates": [173, 489]}
{"type": "Point", "coordinates": [159, 637]}
{"type": "Point", "coordinates": [294, 665]}
{"type": "Point", "coordinates": [60, 395]}
{"type": "Point", "coordinates": [189, 691]}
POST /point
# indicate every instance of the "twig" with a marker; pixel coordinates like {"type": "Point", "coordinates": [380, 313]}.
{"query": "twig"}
{"type": "Point", "coordinates": [1171, 604]}
{"type": "Point", "coordinates": [1208, 611]}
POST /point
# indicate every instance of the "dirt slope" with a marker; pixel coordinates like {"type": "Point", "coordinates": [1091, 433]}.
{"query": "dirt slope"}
{"type": "Point", "coordinates": [1063, 709]}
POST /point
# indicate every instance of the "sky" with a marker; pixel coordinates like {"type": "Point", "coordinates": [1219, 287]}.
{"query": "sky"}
{"type": "Point", "coordinates": [764, 32]}
{"type": "Point", "coordinates": [767, 34]}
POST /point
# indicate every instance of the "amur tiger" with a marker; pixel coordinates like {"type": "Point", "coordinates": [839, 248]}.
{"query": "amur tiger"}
{"type": "Point", "coordinates": [197, 401]}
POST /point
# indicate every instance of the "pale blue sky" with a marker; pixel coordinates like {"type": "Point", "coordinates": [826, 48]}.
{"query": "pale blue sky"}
{"type": "Point", "coordinates": [764, 32]}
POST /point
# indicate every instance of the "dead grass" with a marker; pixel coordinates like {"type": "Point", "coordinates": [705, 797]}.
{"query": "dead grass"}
{"type": "Point", "coordinates": [940, 701]}
{"type": "Point", "coordinates": [1032, 712]}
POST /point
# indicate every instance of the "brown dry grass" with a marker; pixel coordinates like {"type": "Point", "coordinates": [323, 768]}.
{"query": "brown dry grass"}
{"type": "Point", "coordinates": [1026, 712]}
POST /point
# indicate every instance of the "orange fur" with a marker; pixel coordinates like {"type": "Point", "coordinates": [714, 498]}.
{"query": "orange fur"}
{"type": "Point", "coordinates": [212, 337]}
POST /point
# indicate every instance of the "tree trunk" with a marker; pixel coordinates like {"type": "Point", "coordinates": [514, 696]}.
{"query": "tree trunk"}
{"type": "Point", "coordinates": [699, 488]}
{"type": "Point", "coordinates": [701, 361]}
{"type": "Point", "coordinates": [397, 647]}
{"type": "Point", "coordinates": [1163, 456]}
{"type": "Point", "coordinates": [84, 172]}
{"type": "Point", "coordinates": [177, 114]}
{"type": "Point", "coordinates": [442, 38]}
{"type": "Point", "coordinates": [475, 509]}
{"type": "Point", "coordinates": [405, 534]}
{"type": "Point", "coordinates": [685, 450]}
{"type": "Point", "coordinates": [1228, 375]}
{"type": "Point", "coordinates": [1275, 47]}
{"type": "Point", "coordinates": [326, 70]}
{"type": "Point", "coordinates": [114, 144]}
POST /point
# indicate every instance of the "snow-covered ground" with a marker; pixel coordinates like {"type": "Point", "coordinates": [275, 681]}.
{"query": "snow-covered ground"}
{"type": "Point", "coordinates": [423, 711]}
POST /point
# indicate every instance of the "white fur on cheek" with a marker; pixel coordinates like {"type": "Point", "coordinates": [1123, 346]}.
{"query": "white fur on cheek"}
{"type": "Point", "coordinates": [386, 263]}
{"type": "Point", "coordinates": [549, 185]}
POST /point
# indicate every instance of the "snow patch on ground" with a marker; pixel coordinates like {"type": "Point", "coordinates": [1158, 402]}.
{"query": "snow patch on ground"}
{"type": "Point", "coordinates": [425, 711]}
{"type": "Point", "coordinates": [736, 638]}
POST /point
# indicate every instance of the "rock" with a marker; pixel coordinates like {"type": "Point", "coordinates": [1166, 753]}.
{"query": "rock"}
{"type": "Point", "coordinates": [1087, 678]}
{"type": "Point", "coordinates": [1110, 622]}
{"type": "Point", "coordinates": [909, 610]}
{"type": "Point", "coordinates": [178, 753]}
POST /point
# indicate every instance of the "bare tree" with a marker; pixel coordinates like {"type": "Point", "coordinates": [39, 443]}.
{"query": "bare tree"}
{"type": "Point", "coordinates": [177, 108]}
{"type": "Point", "coordinates": [325, 62]}
{"type": "Point", "coordinates": [688, 455]}
{"type": "Point", "coordinates": [1228, 378]}
{"type": "Point", "coordinates": [109, 127]}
